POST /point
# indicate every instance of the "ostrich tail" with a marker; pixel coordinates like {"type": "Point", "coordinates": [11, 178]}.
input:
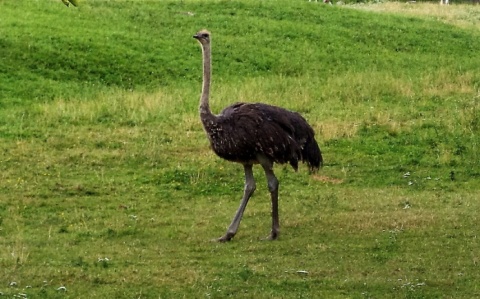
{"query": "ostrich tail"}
{"type": "Point", "coordinates": [312, 155]}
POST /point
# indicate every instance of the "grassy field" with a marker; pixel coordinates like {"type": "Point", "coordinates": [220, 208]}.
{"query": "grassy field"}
{"type": "Point", "coordinates": [465, 16]}
{"type": "Point", "coordinates": [108, 188]}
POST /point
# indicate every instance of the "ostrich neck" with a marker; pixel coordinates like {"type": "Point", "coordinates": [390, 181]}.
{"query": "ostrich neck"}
{"type": "Point", "coordinates": [205, 112]}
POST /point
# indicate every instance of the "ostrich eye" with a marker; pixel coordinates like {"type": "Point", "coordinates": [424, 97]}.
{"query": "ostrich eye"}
{"type": "Point", "coordinates": [205, 35]}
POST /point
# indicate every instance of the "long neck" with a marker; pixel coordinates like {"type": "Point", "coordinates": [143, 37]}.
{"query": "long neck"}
{"type": "Point", "coordinates": [207, 72]}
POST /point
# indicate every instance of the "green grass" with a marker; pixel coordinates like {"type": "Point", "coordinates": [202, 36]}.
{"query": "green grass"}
{"type": "Point", "coordinates": [108, 186]}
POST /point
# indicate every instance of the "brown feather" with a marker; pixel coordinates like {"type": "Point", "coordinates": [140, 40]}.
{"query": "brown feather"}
{"type": "Point", "coordinates": [243, 130]}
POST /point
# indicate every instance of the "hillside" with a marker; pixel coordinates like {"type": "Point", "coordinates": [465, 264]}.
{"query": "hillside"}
{"type": "Point", "coordinates": [108, 188]}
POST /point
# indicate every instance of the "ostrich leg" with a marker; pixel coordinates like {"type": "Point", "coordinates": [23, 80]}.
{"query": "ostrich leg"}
{"type": "Point", "coordinates": [247, 193]}
{"type": "Point", "coordinates": [273, 188]}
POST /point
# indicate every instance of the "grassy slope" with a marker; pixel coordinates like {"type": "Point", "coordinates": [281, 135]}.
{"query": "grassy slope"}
{"type": "Point", "coordinates": [103, 154]}
{"type": "Point", "coordinates": [465, 16]}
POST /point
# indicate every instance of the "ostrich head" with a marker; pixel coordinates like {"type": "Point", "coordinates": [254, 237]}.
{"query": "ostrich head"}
{"type": "Point", "coordinates": [203, 36]}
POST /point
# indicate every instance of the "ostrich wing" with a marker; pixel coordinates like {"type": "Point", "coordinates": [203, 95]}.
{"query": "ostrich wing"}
{"type": "Point", "coordinates": [243, 131]}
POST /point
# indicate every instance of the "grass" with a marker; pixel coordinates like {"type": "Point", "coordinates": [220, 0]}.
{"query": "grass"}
{"type": "Point", "coordinates": [464, 16]}
{"type": "Point", "coordinates": [108, 187]}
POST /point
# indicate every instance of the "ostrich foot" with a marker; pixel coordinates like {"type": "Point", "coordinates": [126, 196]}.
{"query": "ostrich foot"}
{"type": "Point", "coordinates": [226, 238]}
{"type": "Point", "coordinates": [273, 236]}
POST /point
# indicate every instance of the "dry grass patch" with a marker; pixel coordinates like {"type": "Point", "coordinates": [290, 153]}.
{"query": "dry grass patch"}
{"type": "Point", "coordinates": [326, 179]}
{"type": "Point", "coordinates": [443, 83]}
{"type": "Point", "coordinates": [360, 221]}
{"type": "Point", "coordinates": [128, 106]}
{"type": "Point", "coordinates": [461, 15]}
{"type": "Point", "coordinates": [328, 130]}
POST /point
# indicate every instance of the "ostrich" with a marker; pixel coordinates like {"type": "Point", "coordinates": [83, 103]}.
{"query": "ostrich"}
{"type": "Point", "coordinates": [255, 133]}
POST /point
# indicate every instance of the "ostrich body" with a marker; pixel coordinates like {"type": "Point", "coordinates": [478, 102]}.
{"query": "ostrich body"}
{"type": "Point", "coordinates": [255, 133]}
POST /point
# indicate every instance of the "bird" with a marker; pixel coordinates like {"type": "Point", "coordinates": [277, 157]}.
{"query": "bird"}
{"type": "Point", "coordinates": [255, 133]}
